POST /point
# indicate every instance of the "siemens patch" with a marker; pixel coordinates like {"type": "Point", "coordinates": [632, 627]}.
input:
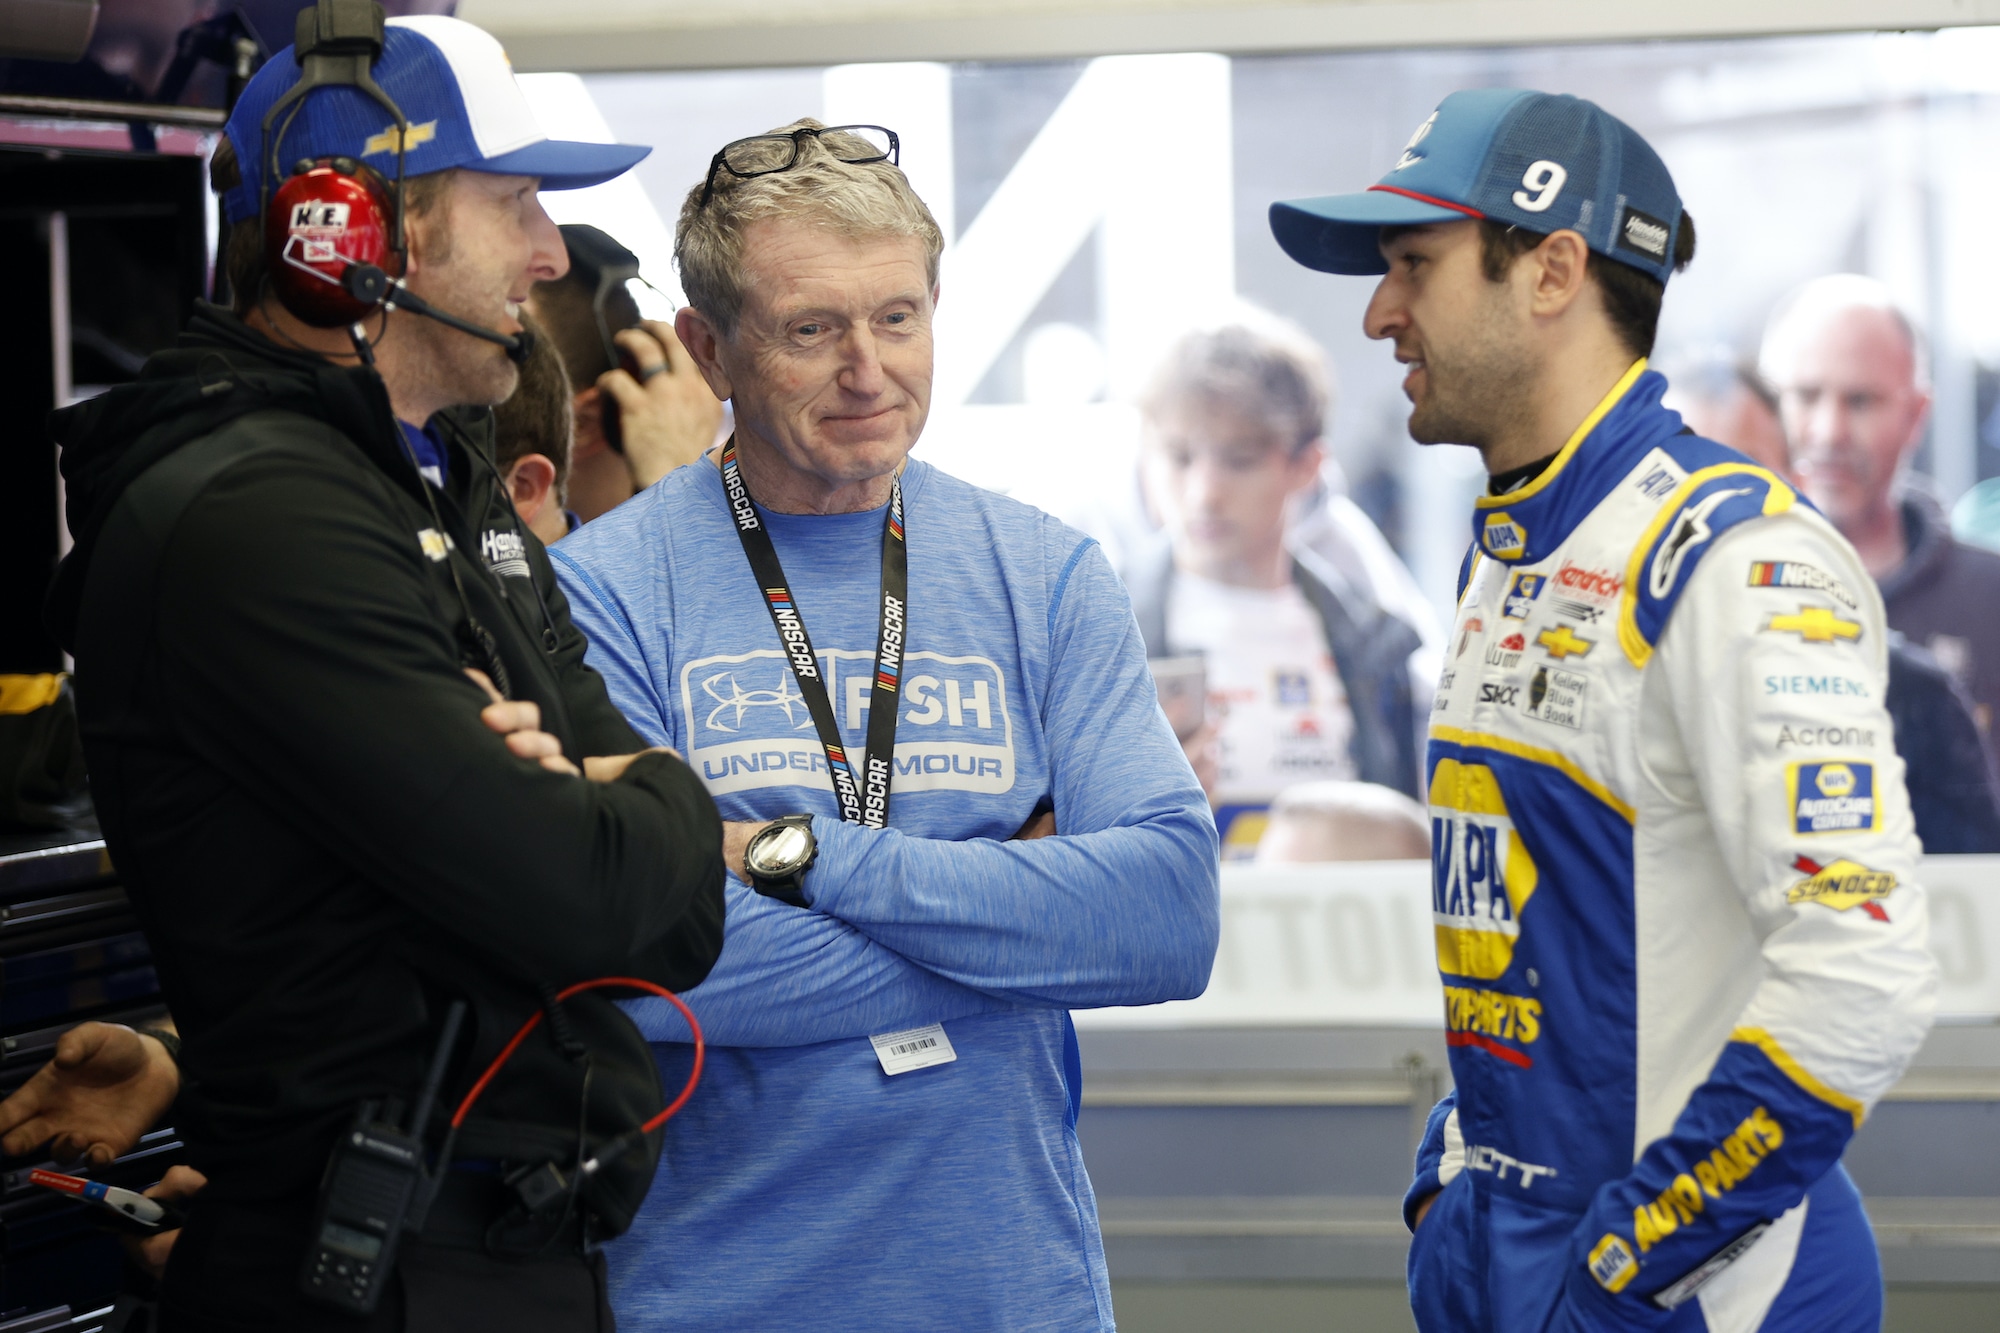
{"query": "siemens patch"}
{"type": "Point", "coordinates": [1832, 796]}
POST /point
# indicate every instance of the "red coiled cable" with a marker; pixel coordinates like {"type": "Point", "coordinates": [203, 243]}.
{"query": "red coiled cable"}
{"type": "Point", "coordinates": [507, 1052]}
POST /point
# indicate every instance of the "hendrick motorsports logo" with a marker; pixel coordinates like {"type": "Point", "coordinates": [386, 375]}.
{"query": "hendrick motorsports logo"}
{"type": "Point", "coordinates": [748, 726]}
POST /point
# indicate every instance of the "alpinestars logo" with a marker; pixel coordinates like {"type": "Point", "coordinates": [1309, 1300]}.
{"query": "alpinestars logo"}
{"type": "Point", "coordinates": [1410, 155]}
{"type": "Point", "coordinates": [1690, 530]}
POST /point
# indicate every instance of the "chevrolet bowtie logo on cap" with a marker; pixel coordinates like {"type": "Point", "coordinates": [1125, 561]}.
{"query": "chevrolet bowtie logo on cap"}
{"type": "Point", "coordinates": [455, 88]}
{"type": "Point", "coordinates": [1536, 160]}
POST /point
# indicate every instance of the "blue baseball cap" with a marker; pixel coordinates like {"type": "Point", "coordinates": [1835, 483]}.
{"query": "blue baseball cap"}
{"type": "Point", "coordinates": [1540, 161]}
{"type": "Point", "coordinates": [456, 89]}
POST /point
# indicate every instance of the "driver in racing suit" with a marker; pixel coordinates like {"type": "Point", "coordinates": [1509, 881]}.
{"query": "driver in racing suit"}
{"type": "Point", "coordinates": [1682, 945]}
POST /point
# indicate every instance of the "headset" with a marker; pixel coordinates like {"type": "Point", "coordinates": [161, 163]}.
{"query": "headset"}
{"type": "Point", "coordinates": [335, 246]}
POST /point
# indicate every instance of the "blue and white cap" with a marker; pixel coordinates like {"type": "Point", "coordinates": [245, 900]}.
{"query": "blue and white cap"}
{"type": "Point", "coordinates": [457, 91]}
{"type": "Point", "coordinates": [1539, 161]}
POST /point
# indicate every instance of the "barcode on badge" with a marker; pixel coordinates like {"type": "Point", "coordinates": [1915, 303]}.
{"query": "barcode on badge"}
{"type": "Point", "coordinates": [915, 1048]}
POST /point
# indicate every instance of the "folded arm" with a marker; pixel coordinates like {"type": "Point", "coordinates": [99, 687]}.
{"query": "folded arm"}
{"type": "Point", "coordinates": [309, 661]}
{"type": "Point", "coordinates": [1122, 906]}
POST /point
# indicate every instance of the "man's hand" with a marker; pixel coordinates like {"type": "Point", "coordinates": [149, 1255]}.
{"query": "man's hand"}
{"type": "Point", "coordinates": [1423, 1208]}
{"type": "Point", "coordinates": [106, 1086]}
{"type": "Point", "coordinates": [520, 721]}
{"type": "Point", "coordinates": [666, 415]}
{"type": "Point", "coordinates": [611, 767]}
{"type": "Point", "coordinates": [735, 837]}
{"type": "Point", "coordinates": [180, 1184]}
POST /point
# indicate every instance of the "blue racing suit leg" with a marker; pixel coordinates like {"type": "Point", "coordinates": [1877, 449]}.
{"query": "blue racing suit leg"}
{"type": "Point", "coordinates": [1448, 1265]}
{"type": "Point", "coordinates": [1836, 1282]}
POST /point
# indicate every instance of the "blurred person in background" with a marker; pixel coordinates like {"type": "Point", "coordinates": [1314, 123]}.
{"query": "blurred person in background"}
{"type": "Point", "coordinates": [1951, 781]}
{"type": "Point", "coordinates": [1853, 380]}
{"type": "Point", "coordinates": [532, 437]}
{"type": "Point", "coordinates": [1344, 821]}
{"type": "Point", "coordinates": [1309, 676]}
{"type": "Point", "coordinates": [640, 409]}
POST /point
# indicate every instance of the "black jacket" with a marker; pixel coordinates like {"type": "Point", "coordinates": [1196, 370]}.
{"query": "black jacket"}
{"type": "Point", "coordinates": [1944, 766]}
{"type": "Point", "coordinates": [1371, 650]}
{"type": "Point", "coordinates": [1945, 598]}
{"type": "Point", "coordinates": [323, 841]}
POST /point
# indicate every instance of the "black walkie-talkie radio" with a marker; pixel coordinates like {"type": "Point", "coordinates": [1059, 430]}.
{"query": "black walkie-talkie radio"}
{"type": "Point", "coordinates": [377, 1184]}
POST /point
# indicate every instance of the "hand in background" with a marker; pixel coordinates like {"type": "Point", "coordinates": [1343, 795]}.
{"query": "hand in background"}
{"type": "Point", "coordinates": [180, 1184]}
{"type": "Point", "coordinates": [666, 414]}
{"type": "Point", "coordinates": [105, 1088]}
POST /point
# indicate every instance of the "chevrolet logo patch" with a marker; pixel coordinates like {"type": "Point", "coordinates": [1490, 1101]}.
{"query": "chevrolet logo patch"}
{"type": "Point", "coordinates": [385, 142]}
{"type": "Point", "coordinates": [1816, 624]}
{"type": "Point", "coordinates": [1561, 643]}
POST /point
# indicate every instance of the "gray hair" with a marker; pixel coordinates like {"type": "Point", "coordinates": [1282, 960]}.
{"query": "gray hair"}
{"type": "Point", "coordinates": [1808, 307]}
{"type": "Point", "coordinates": [1255, 363]}
{"type": "Point", "coordinates": [864, 201]}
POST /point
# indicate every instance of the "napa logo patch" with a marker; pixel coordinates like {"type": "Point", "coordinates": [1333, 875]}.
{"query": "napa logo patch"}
{"type": "Point", "coordinates": [1503, 537]}
{"type": "Point", "coordinates": [1832, 796]}
{"type": "Point", "coordinates": [1521, 595]}
{"type": "Point", "coordinates": [1481, 873]}
{"type": "Point", "coordinates": [747, 726]}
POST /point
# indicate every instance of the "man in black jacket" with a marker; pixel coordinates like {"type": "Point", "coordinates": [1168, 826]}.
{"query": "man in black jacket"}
{"type": "Point", "coordinates": [297, 591]}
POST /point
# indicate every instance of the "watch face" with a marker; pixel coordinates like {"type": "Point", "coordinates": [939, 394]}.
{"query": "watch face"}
{"type": "Point", "coordinates": [778, 850]}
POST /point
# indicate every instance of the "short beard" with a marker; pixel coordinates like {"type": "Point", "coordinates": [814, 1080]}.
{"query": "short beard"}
{"type": "Point", "coordinates": [472, 370]}
{"type": "Point", "coordinates": [1483, 393]}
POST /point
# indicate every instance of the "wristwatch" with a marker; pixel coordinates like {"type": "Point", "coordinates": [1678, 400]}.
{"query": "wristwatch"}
{"type": "Point", "coordinates": [778, 856]}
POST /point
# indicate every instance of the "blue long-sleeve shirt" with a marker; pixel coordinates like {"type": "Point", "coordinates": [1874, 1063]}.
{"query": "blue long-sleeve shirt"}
{"type": "Point", "coordinates": [803, 1187]}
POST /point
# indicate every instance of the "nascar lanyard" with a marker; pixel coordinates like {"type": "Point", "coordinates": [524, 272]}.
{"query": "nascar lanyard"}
{"type": "Point", "coordinates": [864, 801]}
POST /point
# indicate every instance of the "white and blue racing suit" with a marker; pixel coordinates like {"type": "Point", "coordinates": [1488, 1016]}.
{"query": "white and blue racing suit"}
{"type": "Point", "coordinates": [1682, 944]}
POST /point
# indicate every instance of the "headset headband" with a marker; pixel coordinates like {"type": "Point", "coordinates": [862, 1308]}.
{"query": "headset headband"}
{"type": "Point", "coordinates": [337, 45]}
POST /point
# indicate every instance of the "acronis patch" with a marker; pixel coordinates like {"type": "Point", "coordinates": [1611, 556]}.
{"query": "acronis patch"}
{"type": "Point", "coordinates": [1832, 796]}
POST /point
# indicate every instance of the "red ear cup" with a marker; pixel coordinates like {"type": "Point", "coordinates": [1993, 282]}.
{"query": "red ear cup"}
{"type": "Point", "coordinates": [330, 214]}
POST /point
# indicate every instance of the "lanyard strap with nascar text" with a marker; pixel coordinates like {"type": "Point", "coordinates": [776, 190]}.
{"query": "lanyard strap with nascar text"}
{"type": "Point", "coordinates": [866, 801]}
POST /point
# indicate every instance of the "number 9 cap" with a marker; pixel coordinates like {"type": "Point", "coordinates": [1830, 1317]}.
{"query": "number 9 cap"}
{"type": "Point", "coordinates": [1540, 161]}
